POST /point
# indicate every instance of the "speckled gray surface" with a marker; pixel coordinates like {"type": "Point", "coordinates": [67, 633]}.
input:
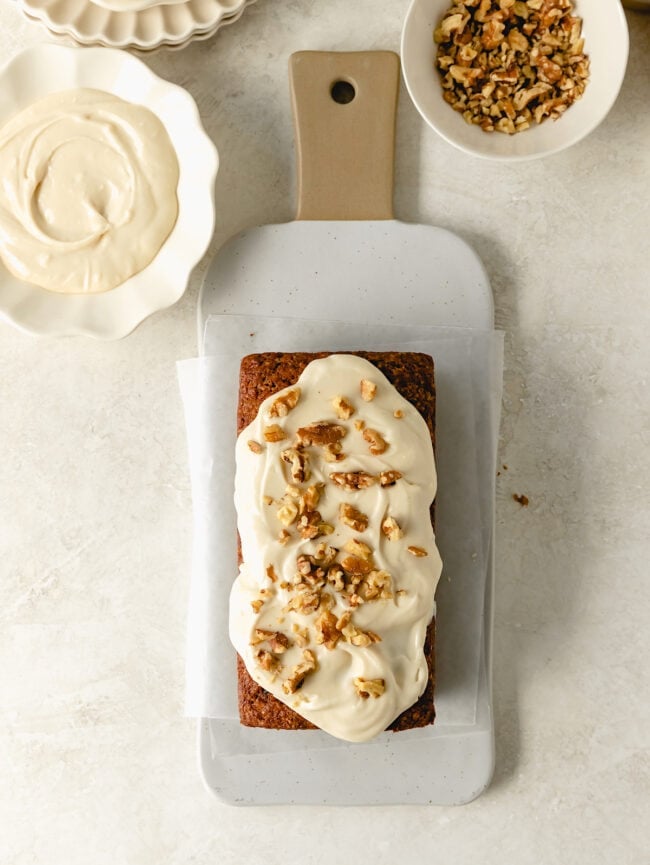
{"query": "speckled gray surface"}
{"type": "Point", "coordinates": [95, 516]}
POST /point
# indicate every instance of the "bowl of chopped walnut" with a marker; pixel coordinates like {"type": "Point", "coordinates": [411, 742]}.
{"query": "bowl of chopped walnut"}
{"type": "Point", "coordinates": [514, 79]}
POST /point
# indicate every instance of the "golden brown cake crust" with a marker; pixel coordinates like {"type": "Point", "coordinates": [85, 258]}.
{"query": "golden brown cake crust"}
{"type": "Point", "coordinates": [262, 375]}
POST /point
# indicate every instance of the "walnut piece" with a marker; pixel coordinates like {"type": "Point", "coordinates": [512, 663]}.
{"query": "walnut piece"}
{"type": "Point", "coordinates": [255, 447]}
{"type": "Point", "coordinates": [352, 517]}
{"type": "Point", "coordinates": [369, 687]}
{"type": "Point", "coordinates": [353, 480]}
{"type": "Point", "coordinates": [378, 445]}
{"type": "Point", "coordinates": [419, 552]}
{"type": "Point", "coordinates": [281, 406]}
{"type": "Point", "coordinates": [368, 389]}
{"type": "Point", "coordinates": [298, 461]}
{"type": "Point", "coordinates": [356, 636]}
{"type": "Point", "coordinates": [389, 477]}
{"type": "Point", "coordinates": [301, 635]}
{"type": "Point", "coordinates": [321, 433]}
{"type": "Point", "coordinates": [343, 408]}
{"type": "Point", "coordinates": [278, 642]}
{"type": "Point", "coordinates": [287, 513]}
{"type": "Point", "coordinates": [506, 64]}
{"type": "Point", "coordinates": [359, 549]}
{"type": "Point", "coordinates": [300, 672]}
{"type": "Point", "coordinates": [327, 633]}
{"type": "Point", "coordinates": [274, 433]}
{"type": "Point", "coordinates": [391, 528]}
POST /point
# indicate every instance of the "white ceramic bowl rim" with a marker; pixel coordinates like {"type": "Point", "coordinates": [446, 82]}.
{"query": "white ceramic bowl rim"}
{"type": "Point", "coordinates": [44, 69]}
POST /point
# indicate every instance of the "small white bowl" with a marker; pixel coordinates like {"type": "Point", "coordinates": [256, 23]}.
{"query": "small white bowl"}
{"type": "Point", "coordinates": [606, 44]}
{"type": "Point", "coordinates": [113, 314]}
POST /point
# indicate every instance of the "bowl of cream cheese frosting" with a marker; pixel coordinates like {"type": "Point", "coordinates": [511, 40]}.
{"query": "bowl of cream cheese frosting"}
{"type": "Point", "coordinates": [107, 199]}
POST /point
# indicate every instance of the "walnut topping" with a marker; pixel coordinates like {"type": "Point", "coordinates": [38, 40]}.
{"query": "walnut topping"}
{"type": "Point", "coordinates": [281, 406]}
{"type": "Point", "coordinates": [310, 498]}
{"type": "Point", "coordinates": [358, 548]}
{"type": "Point", "coordinates": [391, 528]}
{"type": "Point", "coordinates": [327, 633]}
{"type": "Point", "coordinates": [419, 552]}
{"type": "Point", "coordinates": [355, 636]}
{"type": "Point", "coordinates": [301, 635]}
{"type": "Point", "coordinates": [369, 687]}
{"type": "Point", "coordinates": [287, 513]}
{"type": "Point", "coordinates": [255, 447]}
{"type": "Point", "coordinates": [300, 672]}
{"type": "Point", "coordinates": [344, 409]}
{"type": "Point", "coordinates": [389, 477]}
{"type": "Point", "coordinates": [268, 500]}
{"type": "Point", "coordinates": [336, 577]}
{"type": "Point", "coordinates": [283, 536]}
{"type": "Point", "coordinates": [278, 642]}
{"type": "Point", "coordinates": [507, 64]}
{"type": "Point", "coordinates": [398, 413]}
{"type": "Point", "coordinates": [257, 604]}
{"type": "Point", "coordinates": [304, 602]}
{"type": "Point", "coordinates": [274, 433]}
{"type": "Point", "coordinates": [354, 566]}
{"type": "Point", "coordinates": [378, 445]}
{"type": "Point", "coordinates": [271, 574]}
{"type": "Point", "coordinates": [376, 586]}
{"type": "Point", "coordinates": [267, 661]}
{"type": "Point", "coordinates": [353, 480]}
{"type": "Point", "coordinates": [353, 518]}
{"type": "Point", "coordinates": [321, 433]}
{"type": "Point", "coordinates": [368, 390]}
{"type": "Point", "coordinates": [359, 425]}
{"type": "Point", "coordinates": [333, 453]}
{"type": "Point", "coordinates": [311, 525]}
{"type": "Point", "coordinates": [298, 461]}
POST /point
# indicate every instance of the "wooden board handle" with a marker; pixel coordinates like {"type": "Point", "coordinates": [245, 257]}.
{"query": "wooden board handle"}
{"type": "Point", "coordinates": [344, 108]}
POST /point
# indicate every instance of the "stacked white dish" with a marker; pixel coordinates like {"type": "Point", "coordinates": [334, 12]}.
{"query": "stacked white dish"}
{"type": "Point", "coordinates": [142, 24]}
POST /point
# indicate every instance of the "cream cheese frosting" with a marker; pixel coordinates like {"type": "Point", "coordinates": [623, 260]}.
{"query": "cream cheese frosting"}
{"type": "Point", "coordinates": [88, 191]}
{"type": "Point", "coordinates": [334, 482]}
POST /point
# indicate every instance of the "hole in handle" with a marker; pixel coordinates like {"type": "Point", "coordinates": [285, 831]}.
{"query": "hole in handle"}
{"type": "Point", "coordinates": [343, 92]}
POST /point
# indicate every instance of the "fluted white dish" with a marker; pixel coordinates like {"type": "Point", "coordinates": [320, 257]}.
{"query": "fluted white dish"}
{"type": "Point", "coordinates": [174, 24]}
{"type": "Point", "coordinates": [45, 69]}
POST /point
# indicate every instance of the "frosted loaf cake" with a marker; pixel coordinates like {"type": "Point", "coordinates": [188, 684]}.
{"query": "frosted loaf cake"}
{"type": "Point", "coordinates": [332, 612]}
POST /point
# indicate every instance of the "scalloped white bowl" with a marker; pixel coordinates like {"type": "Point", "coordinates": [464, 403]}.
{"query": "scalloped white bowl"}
{"type": "Point", "coordinates": [113, 314]}
{"type": "Point", "coordinates": [606, 43]}
{"type": "Point", "coordinates": [170, 24]}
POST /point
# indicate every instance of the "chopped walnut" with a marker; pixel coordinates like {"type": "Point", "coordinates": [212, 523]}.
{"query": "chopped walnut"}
{"type": "Point", "coordinates": [376, 586]}
{"type": "Point", "coordinates": [389, 477]}
{"type": "Point", "coordinates": [287, 513]}
{"type": "Point", "coordinates": [368, 390]}
{"type": "Point", "coordinates": [344, 409]}
{"type": "Point", "coordinates": [354, 566]}
{"type": "Point", "coordinates": [398, 413]}
{"type": "Point", "coordinates": [419, 552]}
{"type": "Point", "coordinates": [255, 447]}
{"type": "Point", "coordinates": [301, 635]}
{"type": "Point", "coordinates": [310, 498]}
{"type": "Point", "coordinates": [278, 642]}
{"type": "Point", "coordinates": [300, 672]}
{"type": "Point", "coordinates": [369, 687]}
{"type": "Point", "coordinates": [274, 433]}
{"type": "Point", "coordinates": [304, 602]}
{"type": "Point", "coordinates": [283, 536]}
{"type": "Point", "coordinates": [267, 661]}
{"type": "Point", "coordinates": [327, 633]}
{"type": "Point", "coordinates": [507, 64]}
{"type": "Point", "coordinates": [281, 406]}
{"type": "Point", "coordinates": [310, 526]}
{"type": "Point", "coordinates": [270, 573]}
{"type": "Point", "coordinates": [358, 548]}
{"type": "Point", "coordinates": [378, 445]}
{"type": "Point", "coordinates": [353, 480]}
{"type": "Point", "coordinates": [359, 425]}
{"type": "Point", "coordinates": [298, 461]}
{"type": "Point", "coordinates": [257, 604]}
{"type": "Point", "coordinates": [321, 433]}
{"type": "Point", "coordinates": [391, 528]}
{"type": "Point", "coordinates": [353, 518]}
{"type": "Point", "coordinates": [353, 635]}
{"type": "Point", "coordinates": [268, 500]}
{"type": "Point", "coordinates": [333, 453]}
{"type": "Point", "coordinates": [336, 577]}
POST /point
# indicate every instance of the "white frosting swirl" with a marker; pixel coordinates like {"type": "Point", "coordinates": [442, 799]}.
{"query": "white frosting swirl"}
{"type": "Point", "coordinates": [328, 697]}
{"type": "Point", "coordinates": [88, 191]}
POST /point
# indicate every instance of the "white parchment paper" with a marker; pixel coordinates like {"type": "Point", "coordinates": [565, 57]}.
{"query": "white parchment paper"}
{"type": "Point", "coordinates": [468, 367]}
